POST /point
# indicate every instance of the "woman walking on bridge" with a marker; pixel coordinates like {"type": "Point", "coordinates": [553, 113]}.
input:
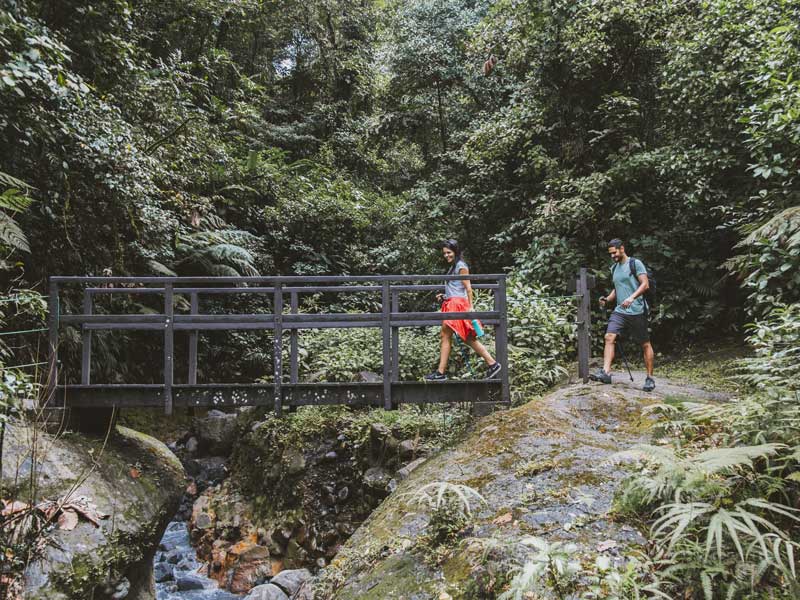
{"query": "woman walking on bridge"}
{"type": "Point", "coordinates": [458, 297]}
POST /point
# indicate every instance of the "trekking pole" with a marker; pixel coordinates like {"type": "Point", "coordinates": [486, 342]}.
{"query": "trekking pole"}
{"type": "Point", "coordinates": [624, 360]}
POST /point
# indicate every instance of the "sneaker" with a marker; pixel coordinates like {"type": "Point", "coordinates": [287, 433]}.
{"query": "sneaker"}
{"type": "Point", "coordinates": [435, 376]}
{"type": "Point", "coordinates": [601, 376]}
{"type": "Point", "coordinates": [493, 370]}
{"type": "Point", "coordinates": [649, 384]}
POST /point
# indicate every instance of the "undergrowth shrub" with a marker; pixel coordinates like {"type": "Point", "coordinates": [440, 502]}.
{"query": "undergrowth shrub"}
{"type": "Point", "coordinates": [723, 497]}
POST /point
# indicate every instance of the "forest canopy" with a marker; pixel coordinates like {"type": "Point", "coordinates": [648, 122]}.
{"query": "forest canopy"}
{"type": "Point", "coordinates": [351, 136]}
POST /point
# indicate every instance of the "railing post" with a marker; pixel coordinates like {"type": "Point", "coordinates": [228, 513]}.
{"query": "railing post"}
{"type": "Point", "coordinates": [501, 340]}
{"type": "Point", "coordinates": [169, 347]}
{"type": "Point", "coordinates": [395, 338]}
{"type": "Point", "coordinates": [583, 322]}
{"type": "Point", "coordinates": [293, 366]}
{"type": "Point", "coordinates": [86, 341]}
{"type": "Point", "coordinates": [277, 309]}
{"type": "Point", "coordinates": [387, 345]}
{"type": "Point", "coordinates": [52, 355]}
{"type": "Point", "coordinates": [194, 303]}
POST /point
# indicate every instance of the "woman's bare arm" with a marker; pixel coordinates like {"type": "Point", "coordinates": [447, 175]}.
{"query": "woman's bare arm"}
{"type": "Point", "coordinates": [467, 285]}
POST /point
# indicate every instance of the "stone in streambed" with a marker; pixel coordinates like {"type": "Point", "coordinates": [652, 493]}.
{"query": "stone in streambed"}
{"type": "Point", "coordinates": [266, 592]}
{"type": "Point", "coordinates": [290, 580]}
{"type": "Point", "coordinates": [162, 572]}
{"type": "Point", "coordinates": [190, 582]}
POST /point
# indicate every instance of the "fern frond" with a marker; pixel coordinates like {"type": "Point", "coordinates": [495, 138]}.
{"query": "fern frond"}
{"type": "Point", "coordinates": [11, 234]}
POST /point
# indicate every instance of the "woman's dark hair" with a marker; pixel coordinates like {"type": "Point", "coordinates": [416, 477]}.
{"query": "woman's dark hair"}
{"type": "Point", "coordinates": [453, 245]}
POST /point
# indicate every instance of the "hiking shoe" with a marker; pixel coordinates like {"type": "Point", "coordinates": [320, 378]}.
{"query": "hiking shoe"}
{"type": "Point", "coordinates": [435, 376]}
{"type": "Point", "coordinates": [649, 384]}
{"type": "Point", "coordinates": [493, 370]}
{"type": "Point", "coordinates": [601, 376]}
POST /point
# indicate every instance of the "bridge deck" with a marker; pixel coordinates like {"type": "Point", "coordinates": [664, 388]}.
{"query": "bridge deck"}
{"type": "Point", "coordinates": [292, 394]}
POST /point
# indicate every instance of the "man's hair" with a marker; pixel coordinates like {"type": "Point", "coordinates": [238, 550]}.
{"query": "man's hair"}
{"type": "Point", "coordinates": [615, 243]}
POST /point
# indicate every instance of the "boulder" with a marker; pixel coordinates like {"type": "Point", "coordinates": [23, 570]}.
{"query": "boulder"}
{"type": "Point", "coordinates": [139, 481]}
{"type": "Point", "coordinates": [290, 580]}
{"type": "Point", "coordinates": [407, 449]}
{"type": "Point", "coordinates": [216, 432]}
{"type": "Point", "coordinates": [212, 469]}
{"type": "Point", "coordinates": [266, 592]}
{"type": "Point", "coordinates": [186, 583]}
{"type": "Point", "coordinates": [162, 572]}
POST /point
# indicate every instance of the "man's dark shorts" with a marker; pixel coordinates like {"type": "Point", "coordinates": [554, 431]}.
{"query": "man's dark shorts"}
{"type": "Point", "coordinates": [630, 327]}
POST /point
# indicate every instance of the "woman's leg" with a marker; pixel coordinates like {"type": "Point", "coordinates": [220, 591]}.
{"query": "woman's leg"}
{"type": "Point", "coordinates": [481, 350]}
{"type": "Point", "coordinates": [447, 344]}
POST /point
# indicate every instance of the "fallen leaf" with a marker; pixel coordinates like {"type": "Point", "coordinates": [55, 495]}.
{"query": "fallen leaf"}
{"type": "Point", "coordinates": [13, 506]}
{"type": "Point", "coordinates": [607, 545]}
{"type": "Point", "coordinates": [68, 520]}
{"type": "Point", "coordinates": [503, 519]}
{"type": "Point", "coordinates": [135, 473]}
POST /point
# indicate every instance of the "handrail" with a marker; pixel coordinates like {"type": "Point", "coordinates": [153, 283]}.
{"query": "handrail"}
{"type": "Point", "coordinates": [274, 288]}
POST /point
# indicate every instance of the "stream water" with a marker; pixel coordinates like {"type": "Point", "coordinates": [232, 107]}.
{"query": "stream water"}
{"type": "Point", "coordinates": [179, 575]}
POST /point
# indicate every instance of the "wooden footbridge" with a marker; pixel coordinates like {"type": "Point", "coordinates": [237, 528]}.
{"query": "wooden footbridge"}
{"type": "Point", "coordinates": [282, 295]}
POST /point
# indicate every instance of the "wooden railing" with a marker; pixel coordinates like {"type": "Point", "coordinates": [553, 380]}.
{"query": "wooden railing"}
{"type": "Point", "coordinates": [389, 320]}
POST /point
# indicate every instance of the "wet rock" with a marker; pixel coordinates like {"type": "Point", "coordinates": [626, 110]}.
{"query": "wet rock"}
{"type": "Point", "coordinates": [190, 582]}
{"type": "Point", "coordinates": [191, 445]}
{"type": "Point", "coordinates": [216, 432]}
{"type": "Point", "coordinates": [290, 580]}
{"type": "Point", "coordinates": [406, 471]}
{"type": "Point", "coordinates": [331, 456]}
{"type": "Point", "coordinates": [266, 592]}
{"type": "Point", "coordinates": [162, 572]}
{"type": "Point", "coordinates": [407, 449]}
{"type": "Point", "coordinates": [121, 589]}
{"type": "Point", "coordinates": [212, 469]}
{"type": "Point", "coordinates": [376, 479]}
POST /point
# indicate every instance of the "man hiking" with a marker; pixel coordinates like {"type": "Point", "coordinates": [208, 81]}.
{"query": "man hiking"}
{"type": "Point", "coordinates": [629, 318]}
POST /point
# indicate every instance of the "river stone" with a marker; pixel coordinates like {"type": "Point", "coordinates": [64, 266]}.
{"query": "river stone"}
{"type": "Point", "coordinates": [266, 592]}
{"type": "Point", "coordinates": [216, 432]}
{"type": "Point", "coordinates": [190, 582]}
{"type": "Point", "coordinates": [162, 572]}
{"type": "Point", "coordinates": [377, 478]}
{"type": "Point", "coordinates": [407, 449]}
{"type": "Point", "coordinates": [191, 445]}
{"type": "Point", "coordinates": [290, 580]}
{"type": "Point", "coordinates": [213, 469]}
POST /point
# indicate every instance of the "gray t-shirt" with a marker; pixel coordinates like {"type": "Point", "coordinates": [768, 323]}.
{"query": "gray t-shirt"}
{"type": "Point", "coordinates": [455, 287]}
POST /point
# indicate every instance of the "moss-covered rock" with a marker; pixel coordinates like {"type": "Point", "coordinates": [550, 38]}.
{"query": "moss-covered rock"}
{"type": "Point", "coordinates": [133, 480]}
{"type": "Point", "coordinates": [542, 472]}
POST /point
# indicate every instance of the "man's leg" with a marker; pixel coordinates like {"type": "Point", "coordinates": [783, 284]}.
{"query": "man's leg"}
{"type": "Point", "coordinates": [447, 344]}
{"type": "Point", "coordinates": [647, 350]}
{"type": "Point", "coordinates": [608, 351]}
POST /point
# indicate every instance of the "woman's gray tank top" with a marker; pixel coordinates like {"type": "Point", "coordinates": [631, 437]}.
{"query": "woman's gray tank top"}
{"type": "Point", "coordinates": [455, 287]}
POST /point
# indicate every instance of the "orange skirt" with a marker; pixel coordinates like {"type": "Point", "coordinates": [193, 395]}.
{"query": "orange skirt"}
{"type": "Point", "coordinates": [462, 327]}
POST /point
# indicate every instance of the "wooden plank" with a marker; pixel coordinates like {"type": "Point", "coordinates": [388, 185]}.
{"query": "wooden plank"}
{"type": "Point", "coordinates": [169, 348]}
{"type": "Point", "coordinates": [81, 319]}
{"type": "Point", "coordinates": [86, 341]}
{"type": "Point", "coordinates": [194, 304]}
{"type": "Point", "coordinates": [387, 347]}
{"type": "Point", "coordinates": [284, 279]}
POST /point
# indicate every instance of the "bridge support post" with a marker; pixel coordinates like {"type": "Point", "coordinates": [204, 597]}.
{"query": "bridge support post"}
{"type": "Point", "coordinates": [86, 341]}
{"type": "Point", "coordinates": [387, 344]}
{"type": "Point", "coordinates": [169, 347]}
{"type": "Point", "coordinates": [501, 341]}
{"type": "Point", "coordinates": [194, 303]}
{"type": "Point", "coordinates": [583, 286]}
{"type": "Point", "coordinates": [395, 339]}
{"type": "Point", "coordinates": [52, 350]}
{"type": "Point", "coordinates": [277, 309]}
